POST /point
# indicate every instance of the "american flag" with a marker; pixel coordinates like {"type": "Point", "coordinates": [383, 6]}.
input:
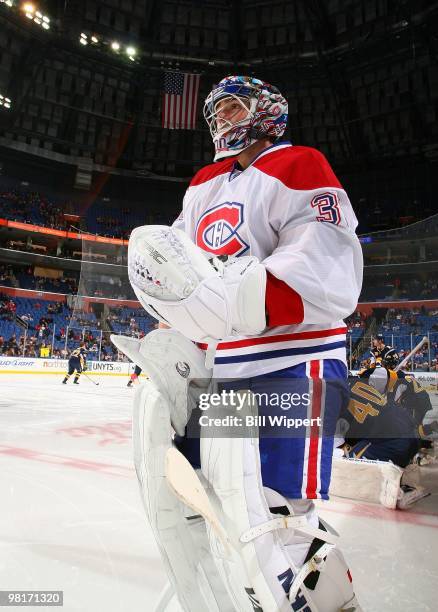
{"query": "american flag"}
{"type": "Point", "coordinates": [180, 100]}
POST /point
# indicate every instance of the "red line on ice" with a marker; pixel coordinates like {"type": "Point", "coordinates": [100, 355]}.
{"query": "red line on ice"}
{"type": "Point", "coordinates": [80, 464]}
{"type": "Point", "coordinates": [423, 519]}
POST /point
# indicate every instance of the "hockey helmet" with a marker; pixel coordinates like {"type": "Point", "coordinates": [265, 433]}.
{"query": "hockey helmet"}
{"type": "Point", "coordinates": [258, 108]}
{"type": "Point", "coordinates": [390, 359]}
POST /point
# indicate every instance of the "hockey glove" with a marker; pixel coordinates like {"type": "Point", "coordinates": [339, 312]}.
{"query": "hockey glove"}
{"type": "Point", "coordinates": [206, 300]}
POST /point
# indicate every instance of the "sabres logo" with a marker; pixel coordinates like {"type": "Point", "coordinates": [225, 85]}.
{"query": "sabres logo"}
{"type": "Point", "coordinates": [217, 230]}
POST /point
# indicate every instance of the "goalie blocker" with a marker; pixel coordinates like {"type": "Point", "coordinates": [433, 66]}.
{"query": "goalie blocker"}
{"type": "Point", "coordinates": [256, 550]}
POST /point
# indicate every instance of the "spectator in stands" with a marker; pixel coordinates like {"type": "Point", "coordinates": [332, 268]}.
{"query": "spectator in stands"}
{"type": "Point", "coordinates": [44, 350]}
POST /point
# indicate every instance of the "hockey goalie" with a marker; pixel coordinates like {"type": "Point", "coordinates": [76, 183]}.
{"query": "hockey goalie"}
{"type": "Point", "coordinates": [252, 283]}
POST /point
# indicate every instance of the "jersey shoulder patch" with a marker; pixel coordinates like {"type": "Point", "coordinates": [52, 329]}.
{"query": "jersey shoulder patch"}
{"type": "Point", "coordinates": [301, 168]}
{"type": "Point", "coordinates": [212, 171]}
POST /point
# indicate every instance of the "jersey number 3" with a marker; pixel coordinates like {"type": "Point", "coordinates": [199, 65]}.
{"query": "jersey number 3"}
{"type": "Point", "coordinates": [328, 208]}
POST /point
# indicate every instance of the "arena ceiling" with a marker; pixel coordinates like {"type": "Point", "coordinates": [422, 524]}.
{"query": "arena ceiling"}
{"type": "Point", "coordinates": [249, 33]}
{"type": "Point", "coordinates": [361, 77]}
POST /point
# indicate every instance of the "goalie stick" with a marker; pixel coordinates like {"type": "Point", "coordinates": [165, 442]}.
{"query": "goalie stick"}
{"type": "Point", "coordinates": [185, 483]}
{"type": "Point", "coordinates": [411, 354]}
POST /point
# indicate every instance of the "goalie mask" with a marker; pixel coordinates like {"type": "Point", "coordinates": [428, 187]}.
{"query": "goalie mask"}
{"type": "Point", "coordinates": [241, 110]}
{"type": "Point", "coordinates": [390, 359]}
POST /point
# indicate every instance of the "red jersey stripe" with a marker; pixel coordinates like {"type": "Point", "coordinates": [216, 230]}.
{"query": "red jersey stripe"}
{"type": "Point", "coordinates": [309, 335]}
{"type": "Point", "coordinates": [312, 464]}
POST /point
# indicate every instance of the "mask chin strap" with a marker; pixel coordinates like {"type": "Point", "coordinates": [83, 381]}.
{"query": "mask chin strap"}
{"type": "Point", "coordinates": [255, 134]}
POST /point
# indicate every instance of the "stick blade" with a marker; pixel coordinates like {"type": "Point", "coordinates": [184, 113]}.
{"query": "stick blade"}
{"type": "Point", "coordinates": [185, 483]}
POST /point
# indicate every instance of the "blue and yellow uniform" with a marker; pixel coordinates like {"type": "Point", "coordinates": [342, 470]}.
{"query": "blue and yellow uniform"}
{"type": "Point", "coordinates": [379, 427]}
{"type": "Point", "coordinates": [76, 363]}
{"type": "Point", "coordinates": [414, 398]}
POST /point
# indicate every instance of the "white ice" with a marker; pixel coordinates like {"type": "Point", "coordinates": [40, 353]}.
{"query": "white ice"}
{"type": "Point", "coordinates": [71, 518]}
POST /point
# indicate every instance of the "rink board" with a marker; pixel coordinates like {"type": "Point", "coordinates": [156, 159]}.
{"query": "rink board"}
{"type": "Point", "coordinates": [427, 379]}
{"type": "Point", "coordinates": [28, 365]}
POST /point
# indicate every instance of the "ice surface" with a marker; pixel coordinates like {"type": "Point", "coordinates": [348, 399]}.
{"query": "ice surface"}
{"type": "Point", "coordinates": [72, 519]}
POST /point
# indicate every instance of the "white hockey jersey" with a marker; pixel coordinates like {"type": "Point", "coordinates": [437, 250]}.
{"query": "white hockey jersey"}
{"type": "Point", "coordinates": [288, 209]}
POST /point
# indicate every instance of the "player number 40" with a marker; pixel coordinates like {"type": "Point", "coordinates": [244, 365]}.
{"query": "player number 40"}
{"type": "Point", "coordinates": [361, 410]}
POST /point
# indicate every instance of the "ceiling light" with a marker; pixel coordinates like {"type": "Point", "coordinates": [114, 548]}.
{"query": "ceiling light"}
{"type": "Point", "coordinates": [4, 101]}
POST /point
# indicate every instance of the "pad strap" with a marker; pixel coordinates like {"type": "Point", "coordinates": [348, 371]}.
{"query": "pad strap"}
{"type": "Point", "coordinates": [297, 523]}
{"type": "Point", "coordinates": [314, 564]}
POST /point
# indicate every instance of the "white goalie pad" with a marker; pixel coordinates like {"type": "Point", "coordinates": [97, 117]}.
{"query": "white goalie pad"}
{"type": "Point", "coordinates": [257, 567]}
{"type": "Point", "coordinates": [205, 299]}
{"type": "Point", "coordinates": [180, 537]}
{"type": "Point", "coordinates": [330, 589]}
{"type": "Point", "coordinates": [379, 482]}
{"type": "Point", "coordinates": [174, 364]}
{"type": "Point", "coordinates": [366, 480]}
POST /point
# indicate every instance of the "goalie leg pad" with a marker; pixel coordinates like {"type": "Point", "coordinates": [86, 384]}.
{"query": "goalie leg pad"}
{"type": "Point", "coordinates": [260, 540]}
{"type": "Point", "coordinates": [182, 543]}
{"type": "Point", "coordinates": [271, 579]}
{"type": "Point", "coordinates": [366, 480]}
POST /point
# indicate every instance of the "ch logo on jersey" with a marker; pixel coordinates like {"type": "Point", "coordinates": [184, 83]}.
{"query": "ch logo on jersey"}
{"type": "Point", "coordinates": [328, 207]}
{"type": "Point", "coordinates": [217, 230]}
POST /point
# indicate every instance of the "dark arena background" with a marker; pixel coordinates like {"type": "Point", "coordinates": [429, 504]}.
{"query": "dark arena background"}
{"type": "Point", "coordinates": [88, 152]}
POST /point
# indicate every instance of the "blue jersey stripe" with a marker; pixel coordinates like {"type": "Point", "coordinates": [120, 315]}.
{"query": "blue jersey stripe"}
{"type": "Point", "coordinates": [302, 350]}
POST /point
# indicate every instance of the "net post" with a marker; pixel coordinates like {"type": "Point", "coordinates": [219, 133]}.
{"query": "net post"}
{"type": "Point", "coordinates": [67, 331]}
{"type": "Point", "coordinates": [53, 341]}
{"type": "Point", "coordinates": [412, 358]}
{"type": "Point", "coordinates": [24, 342]}
{"type": "Point", "coordinates": [100, 345]}
{"type": "Point", "coordinates": [429, 356]}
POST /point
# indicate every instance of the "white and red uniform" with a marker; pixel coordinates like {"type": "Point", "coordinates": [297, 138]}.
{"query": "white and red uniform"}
{"type": "Point", "coordinates": [289, 210]}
